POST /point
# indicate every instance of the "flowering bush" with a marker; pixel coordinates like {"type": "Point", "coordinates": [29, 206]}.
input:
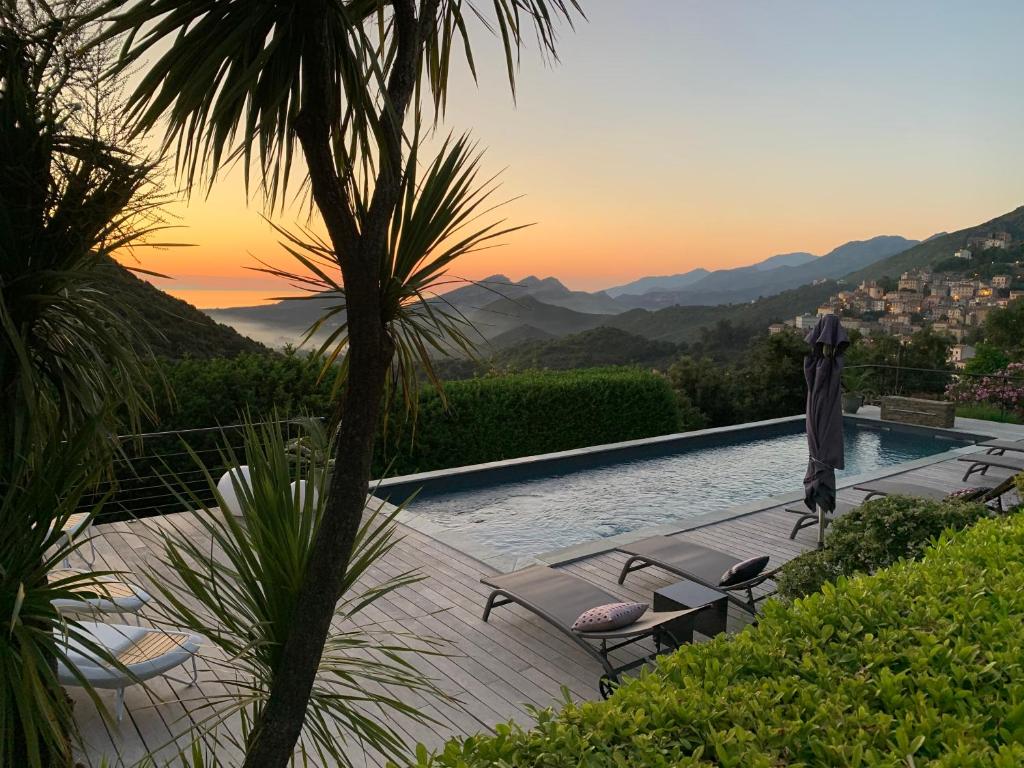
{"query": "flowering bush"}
{"type": "Point", "coordinates": [1004, 389]}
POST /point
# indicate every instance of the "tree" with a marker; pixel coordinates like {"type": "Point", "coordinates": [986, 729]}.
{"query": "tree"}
{"type": "Point", "coordinates": [706, 386]}
{"type": "Point", "coordinates": [72, 193]}
{"type": "Point", "coordinates": [987, 359]}
{"type": "Point", "coordinates": [770, 381]}
{"type": "Point", "coordinates": [1004, 329]}
{"type": "Point", "coordinates": [338, 81]}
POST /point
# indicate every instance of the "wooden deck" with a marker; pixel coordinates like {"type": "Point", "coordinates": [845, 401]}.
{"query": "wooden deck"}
{"type": "Point", "coordinates": [494, 669]}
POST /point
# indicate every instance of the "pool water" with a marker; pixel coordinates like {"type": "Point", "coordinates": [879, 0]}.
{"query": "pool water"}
{"type": "Point", "coordinates": [552, 511]}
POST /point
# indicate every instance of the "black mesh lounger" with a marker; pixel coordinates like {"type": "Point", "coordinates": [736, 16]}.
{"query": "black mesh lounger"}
{"type": "Point", "coordinates": [999, 447]}
{"type": "Point", "coordinates": [981, 463]}
{"type": "Point", "coordinates": [807, 518]}
{"type": "Point", "coordinates": [982, 493]}
{"type": "Point", "coordinates": [559, 598]}
{"type": "Point", "coordinates": [900, 488]}
{"type": "Point", "coordinates": [701, 564]}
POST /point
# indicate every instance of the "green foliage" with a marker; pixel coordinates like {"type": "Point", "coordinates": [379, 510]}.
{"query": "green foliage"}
{"type": "Point", "coordinates": [880, 364]}
{"type": "Point", "coordinates": [1004, 330]}
{"type": "Point", "coordinates": [988, 412]}
{"type": "Point", "coordinates": [68, 199]}
{"type": "Point", "coordinates": [873, 536]}
{"type": "Point", "coordinates": [596, 348]}
{"type": "Point", "coordinates": [707, 387]}
{"type": "Point", "coordinates": [241, 593]}
{"type": "Point", "coordinates": [529, 413]}
{"type": "Point", "coordinates": [918, 665]}
{"type": "Point", "coordinates": [766, 382]}
{"type": "Point", "coordinates": [988, 358]}
{"type": "Point", "coordinates": [172, 328]}
{"type": "Point", "coordinates": [37, 498]}
{"type": "Point", "coordinates": [218, 391]}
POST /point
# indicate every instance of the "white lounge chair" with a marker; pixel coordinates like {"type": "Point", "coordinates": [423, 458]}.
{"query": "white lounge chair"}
{"type": "Point", "coordinates": [77, 523]}
{"type": "Point", "coordinates": [144, 653]}
{"type": "Point", "coordinates": [108, 594]}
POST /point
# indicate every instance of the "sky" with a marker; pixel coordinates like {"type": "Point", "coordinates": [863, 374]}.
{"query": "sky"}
{"type": "Point", "coordinates": [675, 134]}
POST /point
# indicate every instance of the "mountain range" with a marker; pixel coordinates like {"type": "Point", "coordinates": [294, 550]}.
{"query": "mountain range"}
{"type": "Point", "coordinates": [766, 278]}
{"type": "Point", "coordinates": [672, 308]}
{"type": "Point", "coordinates": [505, 311]}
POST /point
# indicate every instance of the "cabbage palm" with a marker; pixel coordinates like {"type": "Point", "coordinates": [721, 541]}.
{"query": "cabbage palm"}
{"type": "Point", "coordinates": [68, 200]}
{"type": "Point", "coordinates": [39, 493]}
{"type": "Point", "coordinates": [337, 80]}
{"type": "Point", "coordinates": [241, 594]}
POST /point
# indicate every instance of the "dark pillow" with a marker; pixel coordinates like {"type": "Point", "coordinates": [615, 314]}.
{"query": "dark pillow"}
{"type": "Point", "coordinates": [604, 618]}
{"type": "Point", "coordinates": [743, 571]}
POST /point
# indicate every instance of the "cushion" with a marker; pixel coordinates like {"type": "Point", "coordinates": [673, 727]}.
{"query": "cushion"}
{"type": "Point", "coordinates": [743, 571]}
{"type": "Point", "coordinates": [604, 618]}
{"type": "Point", "coordinates": [961, 493]}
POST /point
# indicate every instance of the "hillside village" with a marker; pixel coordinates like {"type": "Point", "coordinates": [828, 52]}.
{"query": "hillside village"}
{"type": "Point", "coordinates": [954, 298]}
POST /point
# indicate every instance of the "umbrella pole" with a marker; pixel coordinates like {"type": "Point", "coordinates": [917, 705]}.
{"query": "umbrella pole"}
{"type": "Point", "coordinates": [821, 526]}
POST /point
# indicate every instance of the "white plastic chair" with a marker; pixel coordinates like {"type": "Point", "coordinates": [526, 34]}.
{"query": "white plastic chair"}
{"type": "Point", "coordinates": [226, 488]}
{"type": "Point", "coordinates": [145, 653]}
{"type": "Point", "coordinates": [112, 595]}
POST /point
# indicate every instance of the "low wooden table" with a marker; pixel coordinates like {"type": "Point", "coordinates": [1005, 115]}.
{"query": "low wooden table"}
{"type": "Point", "coordinates": [710, 620]}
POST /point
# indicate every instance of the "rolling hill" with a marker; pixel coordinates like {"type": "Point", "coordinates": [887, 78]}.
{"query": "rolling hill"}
{"type": "Point", "coordinates": [174, 328]}
{"type": "Point", "coordinates": [683, 324]}
{"type": "Point", "coordinates": [940, 247]}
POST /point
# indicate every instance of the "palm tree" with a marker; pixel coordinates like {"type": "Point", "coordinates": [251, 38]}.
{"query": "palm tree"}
{"type": "Point", "coordinates": [69, 198]}
{"type": "Point", "coordinates": [71, 363]}
{"type": "Point", "coordinates": [337, 80]}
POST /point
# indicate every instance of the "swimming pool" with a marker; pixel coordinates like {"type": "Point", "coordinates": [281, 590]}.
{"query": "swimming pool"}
{"type": "Point", "coordinates": [546, 506]}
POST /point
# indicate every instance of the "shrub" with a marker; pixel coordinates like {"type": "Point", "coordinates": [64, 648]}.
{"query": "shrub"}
{"type": "Point", "coordinates": [505, 417]}
{"type": "Point", "coordinates": [207, 393]}
{"type": "Point", "coordinates": [1003, 389]}
{"type": "Point", "coordinates": [875, 535]}
{"type": "Point", "coordinates": [918, 665]}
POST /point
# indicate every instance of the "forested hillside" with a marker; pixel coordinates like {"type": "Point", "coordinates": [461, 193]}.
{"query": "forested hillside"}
{"type": "Point", "coordinates": [174, 328]}
{"type": "Point", "coordinates": [935, 250]}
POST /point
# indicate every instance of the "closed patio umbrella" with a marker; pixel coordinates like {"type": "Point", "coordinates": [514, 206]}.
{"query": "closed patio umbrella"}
{"type": "Point", "coordinates": [823, 367]}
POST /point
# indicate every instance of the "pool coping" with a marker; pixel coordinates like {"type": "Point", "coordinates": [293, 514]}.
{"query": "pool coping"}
{"type": "Point", "coordinates": [505, 562]}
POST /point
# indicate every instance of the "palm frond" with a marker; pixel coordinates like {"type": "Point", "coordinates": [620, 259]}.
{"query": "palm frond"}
{"type": "Point", "coordinates": [445, 211]}
{"type": "Point", "coordinates": [237, 585]}
{"type": "Point", "coordinates": [41, 491]}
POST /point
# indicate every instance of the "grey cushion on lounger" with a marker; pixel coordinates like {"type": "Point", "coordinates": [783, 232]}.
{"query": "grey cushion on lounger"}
{"type": "Point", "coordinates": [604, 618]}
{"type": "Point", "coordinates": [743, 571]}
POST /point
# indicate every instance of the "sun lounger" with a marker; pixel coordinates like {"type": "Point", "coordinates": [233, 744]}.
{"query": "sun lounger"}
{"type": "Point", "coordinates": [900, 488]}
{"type": "Point", "coordinates": [143, 653]}
{"type": "Point", "coordinates": [108, 595]}
{"type": "Point", "coordinates": [980, 463]}
{"type": "Point", "coordinates": [703, 565]}
{"type": "Point", "coordinates": [559, 598]}
{"type": "Point", "coordinates": [77, 523]}
{"type": "Point", "coordinates": [999, 447]}
{"type": "Point", "coordinates": [807, 518]}
{"type": "Point", "coordinates": [985, 494]}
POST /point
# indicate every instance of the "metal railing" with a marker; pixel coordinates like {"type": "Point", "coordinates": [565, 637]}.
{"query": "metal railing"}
{"type": "Point", "coordinates": [152, 471]}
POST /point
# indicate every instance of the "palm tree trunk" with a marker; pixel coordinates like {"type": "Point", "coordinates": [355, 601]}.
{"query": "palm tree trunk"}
{"type": "Point", "coordinates": [280, 723]}
{"type": "Point", "coordinates": [360, 254]}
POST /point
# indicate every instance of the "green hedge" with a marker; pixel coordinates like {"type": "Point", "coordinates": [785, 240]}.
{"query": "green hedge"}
{"type": "Point", "coordinates": [208, 393]}
{"type": "Point", "coordinates": [874, 535]}
{"type": "Point", "coordinates": [505, 417]}
{"type": "Point", "coordinates": [917, 665]}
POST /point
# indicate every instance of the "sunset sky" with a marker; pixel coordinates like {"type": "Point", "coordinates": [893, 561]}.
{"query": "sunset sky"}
{"type": "Point", "coordinates": [675, 134]}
